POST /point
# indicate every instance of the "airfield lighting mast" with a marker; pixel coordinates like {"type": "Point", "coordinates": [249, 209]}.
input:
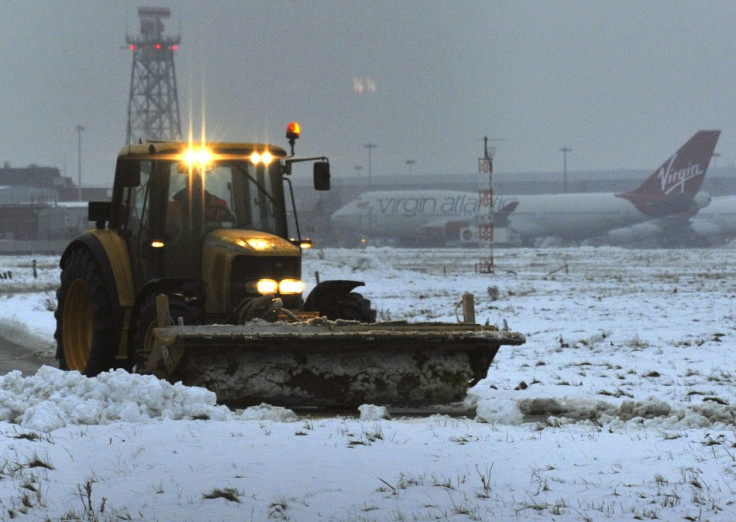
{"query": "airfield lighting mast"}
{"type": "Point", "coordinates": [485, 199]}
{"type": "Point", "coordinates": [153, 106]}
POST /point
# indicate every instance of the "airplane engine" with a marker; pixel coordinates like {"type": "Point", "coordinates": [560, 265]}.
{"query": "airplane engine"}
{"type": "Point", "coordinates": [469, 235]}
{"type": "Point", "coordinates": [706, 229]}
{"type": "Point", "coordinates": [633, 233]}
{"type": "Point", "coordinates": [702, 199]}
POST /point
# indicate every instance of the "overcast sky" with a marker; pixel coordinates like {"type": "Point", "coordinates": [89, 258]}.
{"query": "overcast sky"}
{"type": "Point", "coordinates": [621, 83]}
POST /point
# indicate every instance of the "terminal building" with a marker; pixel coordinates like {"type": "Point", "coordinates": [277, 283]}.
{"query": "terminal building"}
{"type": "Point", "coordinates": [38, 203]}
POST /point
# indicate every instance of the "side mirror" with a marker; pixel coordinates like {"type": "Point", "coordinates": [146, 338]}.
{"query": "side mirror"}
{"type": "Point", "coordinates": [128, 173]}
{"type": "Point", "coordinates": [99, 212]}
{"type": "Point", "coordinates": [321, 175]}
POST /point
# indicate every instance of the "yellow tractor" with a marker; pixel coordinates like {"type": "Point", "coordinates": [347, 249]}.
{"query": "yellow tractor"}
{"type": "Point", "coordinates": [190, 273]}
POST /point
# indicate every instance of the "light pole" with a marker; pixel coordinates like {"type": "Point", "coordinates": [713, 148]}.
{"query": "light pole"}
{"type": "Point", "coordinates": [410, 163]}
{"type": "Point", "coordinates": [564, 150]}
{"type": "Point", "coordinates": [79, 129]}
{"type": "Point", "coordinates": [370, 146]}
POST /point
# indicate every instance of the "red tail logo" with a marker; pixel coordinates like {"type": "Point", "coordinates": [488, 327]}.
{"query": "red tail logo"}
{"type": "Point", "coordinates": [673, 180]}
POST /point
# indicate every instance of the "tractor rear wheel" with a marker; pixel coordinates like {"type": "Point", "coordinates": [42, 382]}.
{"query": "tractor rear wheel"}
{"type": "Point", "coordinates": [86, 337]}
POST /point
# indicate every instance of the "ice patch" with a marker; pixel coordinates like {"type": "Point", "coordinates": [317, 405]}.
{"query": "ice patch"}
{"type": "Point", "coordinates": [498, 411]}
{"type": "Point", "coordinates": [18, 333]}
{"type": "Point", "coordinates": [649, 413]}
{"type": "Point", "coordinates": [370, 412]}
{"type": "Point", "coordinates": [268, 412]}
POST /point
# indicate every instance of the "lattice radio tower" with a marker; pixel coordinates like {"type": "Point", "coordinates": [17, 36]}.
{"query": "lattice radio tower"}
{"type": "Point", "coordinates": [153, 106]}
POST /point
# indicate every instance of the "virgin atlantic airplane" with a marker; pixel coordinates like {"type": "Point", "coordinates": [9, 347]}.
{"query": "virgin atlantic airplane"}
{"type": "Point", "coordinates": [671, 190]}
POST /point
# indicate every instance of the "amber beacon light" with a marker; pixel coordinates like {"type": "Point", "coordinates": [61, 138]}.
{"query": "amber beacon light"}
{"type": "Point", "coordinates": [292, 134]}
{"type": "Point", "coordinates": [293, 130]}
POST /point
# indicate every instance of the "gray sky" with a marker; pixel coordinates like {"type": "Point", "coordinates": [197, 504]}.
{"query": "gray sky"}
{"type": "Point", "coordinates": [622, 83]}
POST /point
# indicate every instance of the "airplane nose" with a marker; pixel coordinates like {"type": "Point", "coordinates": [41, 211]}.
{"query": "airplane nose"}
{"type": "Point", "coordinates": [344, 217]}
{"type": "Point", "coordinates": [339, 218]}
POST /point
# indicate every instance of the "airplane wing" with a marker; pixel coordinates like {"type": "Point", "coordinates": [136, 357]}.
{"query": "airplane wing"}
{"type": "Point", "coordinates": [501, 216]}
{"type": "Point", "coordinates": [444, 224]}
{"type": "Point", "coordinates": [500, 219]}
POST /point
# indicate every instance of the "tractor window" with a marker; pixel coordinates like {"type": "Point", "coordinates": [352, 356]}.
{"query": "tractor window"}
{"type": "Point", "coordinates": [218, 197]}
{"type": "Point", "coordinates": [134, 223]}
{"type": "Point", "coordinates": [134, 202]}
{"type": "Point", "coordinates": [228, 195]}
{"type": "Point", "coordinates": [177, 215]}
{"type": "Point", "coordinates": [258, 197]}
{"type": "Point", "coordinates": [215, 201]}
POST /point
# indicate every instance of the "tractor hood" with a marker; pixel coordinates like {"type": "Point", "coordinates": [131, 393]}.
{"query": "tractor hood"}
{"type": "Point", "coordinates": [233, 258]}
{"type": "Point", "coordinates": [249, 242]}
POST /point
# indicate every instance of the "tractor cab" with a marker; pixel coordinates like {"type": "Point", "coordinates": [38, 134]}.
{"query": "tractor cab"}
{"type": "Point", "coordinates": [169, 201]}
{"type": "Point", "coordinates": [208, 222]}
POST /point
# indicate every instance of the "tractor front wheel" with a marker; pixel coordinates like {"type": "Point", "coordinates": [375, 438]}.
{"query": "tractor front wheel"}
{"type": "Point", "coordinates": [86, 337]}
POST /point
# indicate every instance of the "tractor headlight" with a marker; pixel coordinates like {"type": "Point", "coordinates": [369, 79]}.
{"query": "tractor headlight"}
{"type": "Point", "coordinates": [266, 286]}
{"type": "Point", "coordinates": [195, 159]}
{"type": "Point", "coordinates": [200, 156]}
{"type": "Point", "coordinates": [258, 157]}
{"type": "Point", "coordinates": [291, 286]}
{"type": "Point", "coordinates": [270, 286]}
{"type": "Point", "coordinates": [258, 243]}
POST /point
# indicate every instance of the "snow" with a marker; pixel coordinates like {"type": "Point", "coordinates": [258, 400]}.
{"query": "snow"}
{"type": "Point", "coordinates": [619, 406]}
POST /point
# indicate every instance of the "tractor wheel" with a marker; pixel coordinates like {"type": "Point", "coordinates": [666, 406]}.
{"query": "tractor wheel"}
{"type": "Point", "coordinates": [86, 336]}
{"type": "Point", "coordinates": [355, 307]}
{"type": "Point", "coordinates": [146, 321]}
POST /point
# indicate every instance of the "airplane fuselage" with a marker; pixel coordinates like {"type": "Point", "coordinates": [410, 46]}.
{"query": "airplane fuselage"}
{"type": "Point", "coordinates": [570, 216]}
{"type": "Point", "coordinates": [404, 213]}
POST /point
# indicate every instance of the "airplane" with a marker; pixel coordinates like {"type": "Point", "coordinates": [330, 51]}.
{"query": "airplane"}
{"type": "Point", "coordinates": [671, 190]}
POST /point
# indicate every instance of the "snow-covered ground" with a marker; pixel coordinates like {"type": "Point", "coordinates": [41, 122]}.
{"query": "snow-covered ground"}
{"type": "Point", "coordinates": [619, 406]}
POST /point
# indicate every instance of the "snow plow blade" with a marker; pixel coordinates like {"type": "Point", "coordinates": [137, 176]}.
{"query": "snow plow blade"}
{"type": "Point", "coordinates": [332, 364]}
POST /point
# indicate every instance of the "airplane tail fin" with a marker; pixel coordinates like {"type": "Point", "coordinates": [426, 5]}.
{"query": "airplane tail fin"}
{"type": "Point", "coordinates": [671, 188]}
